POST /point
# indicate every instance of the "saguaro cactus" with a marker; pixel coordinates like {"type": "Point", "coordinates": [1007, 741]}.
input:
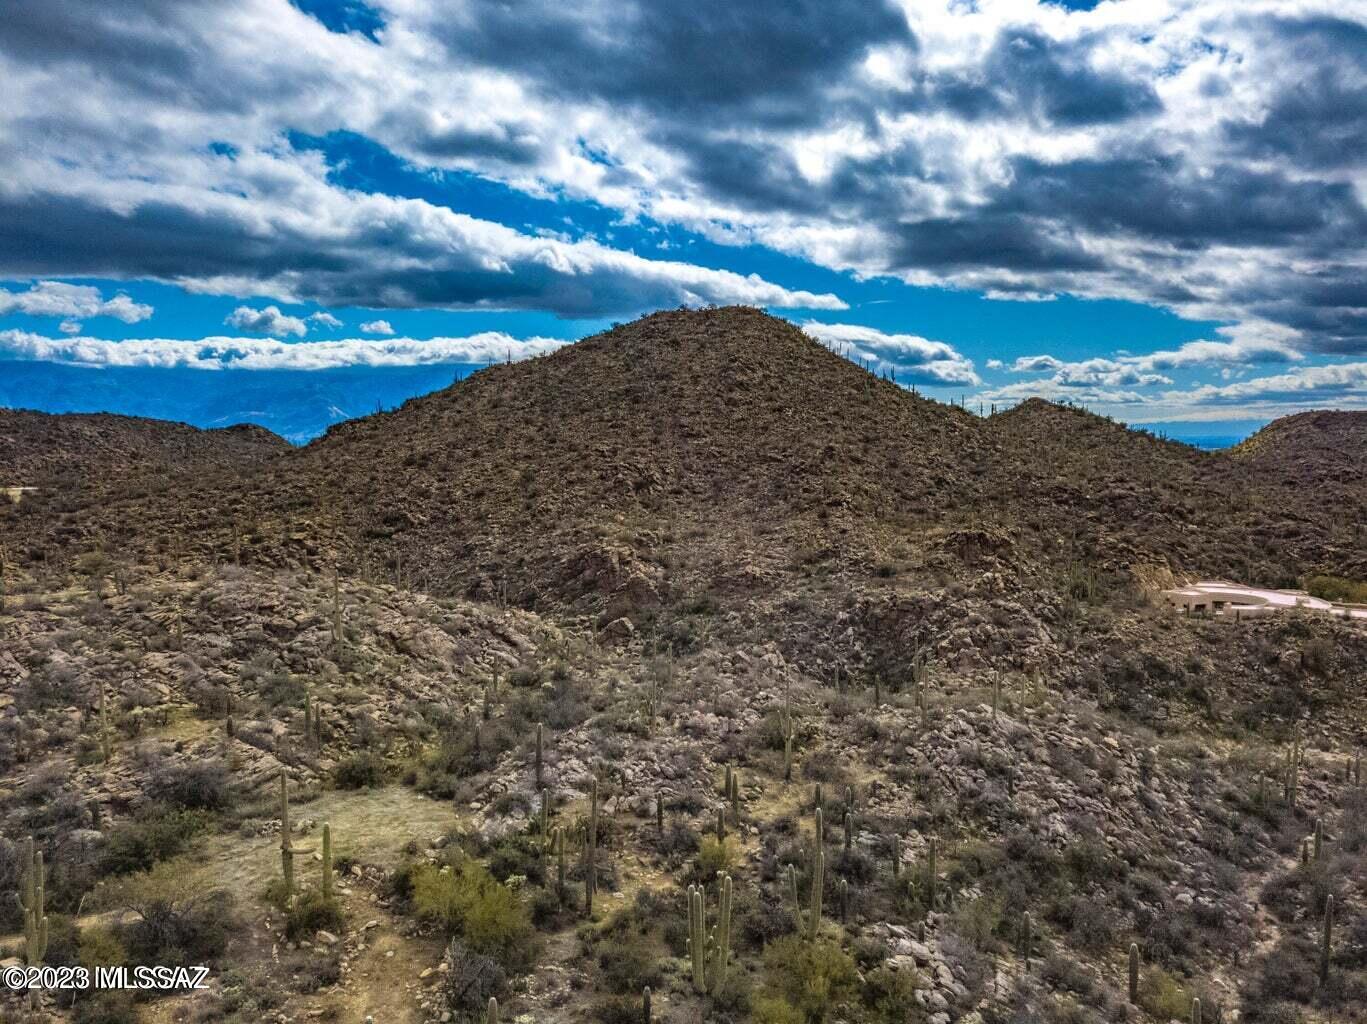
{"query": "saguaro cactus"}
{"type": "Point", "coordinates": [932, 874]}
{"type": "Point", "coordinates": [1327, 938]}
{"type": "Point", "coordinates": [810, 924]}
{"type": "Point", "coordinates": [560, 862]}
{"type": "Point", "coordinates": [1134, 973]}
{"type": "Point", "coordinates": [709, 951]}
{"type": "Point", "coordinates": [1319, 837]}
{"type": "Point", "coordinates": [106, 738]}
{"type": "Point", "coordinates": [645, 1005]}
{"type": "Point", "coordinates": [540, 770]}
{"type": "Point", "coordinates": [1195, 1011]}
{"type": "Point", "coordinates": [591, 850]}
{"type": "Point", "coordinates": [33, 902]}
{"type": "Point", "coordinates": [491, 1016]}
{"type": "Point", "coordinates": [785, 724]}
{"type": "Point", "coordinates": [287, 850]}
{"type": "Point", "coordinates": [327, 861]}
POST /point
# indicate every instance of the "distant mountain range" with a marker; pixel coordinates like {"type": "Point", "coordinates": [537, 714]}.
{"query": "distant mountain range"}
{"type": "Point", "coordinates": [297, 405]}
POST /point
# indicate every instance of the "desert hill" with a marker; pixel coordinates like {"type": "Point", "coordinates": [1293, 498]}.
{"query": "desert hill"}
{"type": "Point", "coordinates": [40, 449]}
{"type": "Point", "coordinates": [722, 457]}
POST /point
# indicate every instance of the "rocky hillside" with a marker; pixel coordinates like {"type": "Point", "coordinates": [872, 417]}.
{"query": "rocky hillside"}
{"type": "Point", "coordinates": [722, 457]}
{"type": "Point", "coordinates": [80, 451]}
{"type": "Point", "coordinates": [549, 655]}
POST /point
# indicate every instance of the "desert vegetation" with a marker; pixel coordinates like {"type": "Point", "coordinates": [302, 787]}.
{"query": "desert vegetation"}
{"type": "Point", "coordinates": [896, 735]}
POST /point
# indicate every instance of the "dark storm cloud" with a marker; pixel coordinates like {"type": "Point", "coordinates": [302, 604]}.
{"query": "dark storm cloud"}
{"type": "Point", "coordinates": [767, 59]}
{"type": "Point", "coordinates": [1208, 158]}
{"type": "Point", "coordinates": [1004, 241]}
{"type": "Point", "coordinates": [1159, 197]}
{"type": "Point", "coordinates": [1027, 73]}
{"type": "Point", "coordinates": [378, 254]}
{"type": "Point", "coordinates": [1318, 117]}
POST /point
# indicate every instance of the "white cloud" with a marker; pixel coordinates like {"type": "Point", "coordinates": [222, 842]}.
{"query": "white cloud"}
{"type": "Point", "coordinates": [266, 321]}
{"type": "Point", "coordinates": [69, 327]}
{"type": "Point", "coordinates": [57, 298]}
{"type": "Point", "coordinates": [914, 359]}
{"type": "Point", "coordinates": [224, 353]}
{"type": "Point", "coordinates": [377, 327]}
{"type": "Point", "coordinates": [1174, 152]}
{"type": "Point", "coordinates": [324, 319]}
{"type": "Point", "coordinates": [1337, 385]}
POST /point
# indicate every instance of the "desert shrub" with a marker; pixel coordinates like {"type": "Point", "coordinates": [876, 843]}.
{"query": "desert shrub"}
{"type": "Point", "coordinates": [317, 972]}
{"type": "Point", "coordinates": [155, 835]}
{"type": "Point", "coordinates": [1336, 588]}
{"type": "Point", "coordinates": [773, 1010]}
{"type": "Point", "coordinates": [198, 785]}
{"type": "Point", "coordinates": [1162, 996]}
{"type": "Point", "coordinates": [106, 1008]}
{"type": "Point", "coordinates": [516, 856]}
{"type": "Point", "coordinates": [361, 770]}
{"type": "Point", "coordinates": [679, 841]}
{"type": "Point", "coordinates": [812, 978]}
{"type": "Point", "coordinates": [312, 912]}
{"type": "Point", "coordinates": [891, 995]}
{"type": "Point", "coordinates": [467, 901]}
{"type": "Point", "coordinates": [716, 855]}
{"type": "Point", "coordinates": [471, 978]}
{"type": "Point", "coordinates": [174, 919]}
{"type": "Point", "coordinates": [977, 922]}
{"type": "Point", "coordinates": [100, 947]}
{"type": "Point", "coordinates": [627, 964]}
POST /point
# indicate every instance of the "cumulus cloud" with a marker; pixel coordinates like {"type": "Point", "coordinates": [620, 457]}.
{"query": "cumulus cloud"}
{"type": "Point", "coordinates": [1341, 385]}
{"type": "Point", "coordinates": [69, 327]}
{"type": "Point", "coordinates": [377, 327]}
{"type": "Point", "coordinates": [324, 319]}
{"type": "Point", "coordinates": [913, 359]}
{"type": "Point", "coordinates": [225, 353]}
{"type": "Point", "coordinates": [57, 298]}
{"type": "Point", "coordinates": [1206, 158]}
{"type": "Point", "coordinates": [266, 321]}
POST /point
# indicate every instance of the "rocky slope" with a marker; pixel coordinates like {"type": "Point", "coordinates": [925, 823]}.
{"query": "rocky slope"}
{"type": "Point", "coordinates": [696, 546]}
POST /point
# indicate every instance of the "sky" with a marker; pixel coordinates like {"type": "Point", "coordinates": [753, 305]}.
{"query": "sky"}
{"type": "Point", "coordinates": [296, 212]}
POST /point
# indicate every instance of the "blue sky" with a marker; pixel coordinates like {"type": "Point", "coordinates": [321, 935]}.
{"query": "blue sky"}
{"type": "Point", "coordinates": [1155, 210]}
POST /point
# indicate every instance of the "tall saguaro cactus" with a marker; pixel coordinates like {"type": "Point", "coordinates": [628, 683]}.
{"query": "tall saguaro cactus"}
{"type": "Point", "coordinates": [1134, 973]}
{"type": "Point", "coordinates": [1327, 938]}
{"type": "Point", "coordinates": [540, 762]}
{"type": "Point", "coordinates": [33, 901]}
{"type": "Point", "coordinates": [327, 861]}
{"type": "Point", "coordinates": [591, 850]}
{"type": "Point", "coordinates": [287, 850]}
{"type": "Point", "coordinates": [809, 924]}
{"type": "Point", "coordinates": [709, 951]}
{"type": "Point", "coordinates": [106, 739]}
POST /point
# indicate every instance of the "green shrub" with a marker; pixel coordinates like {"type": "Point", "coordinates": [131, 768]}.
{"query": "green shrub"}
{"type": "Point", "coordinates": [1162, 996]}
{"type": "Point", "coordinates": [100, 947]}
{"type": "Point", "coordinates": [467, 901]}
{"type": "Point", "coordinates": [312, 912]}
{"type": "Point", "coordinates": [155, 835]}
{"type": "Point", "coordinates": [811, 977]}
{"type": "Point", "coordinates": [715, 856]}
{"type": "Point", "coordinates": [1337, 588]}
{"type": "Point", "coordinates": [362, 770]}
{"type": "Point", "coordinates": [891, 995]}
